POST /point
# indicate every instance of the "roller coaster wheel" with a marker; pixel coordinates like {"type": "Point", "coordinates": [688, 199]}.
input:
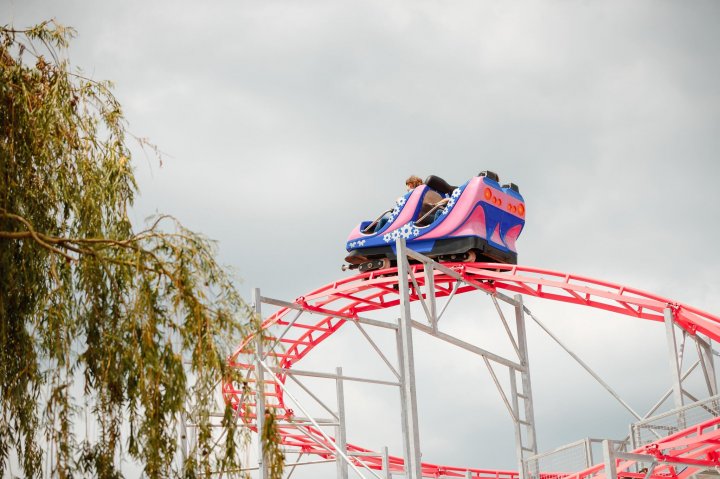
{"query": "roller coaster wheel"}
{"type": "Point", "coordinates": [374, 264]}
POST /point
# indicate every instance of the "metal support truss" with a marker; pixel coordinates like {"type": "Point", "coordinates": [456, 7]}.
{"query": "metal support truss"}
{"type": "Point", "coordinates": [520, 402]}
{"type": "Point", "coordinates": [306, 435]}
{"type": "Point", "coordinates": [294, 329]}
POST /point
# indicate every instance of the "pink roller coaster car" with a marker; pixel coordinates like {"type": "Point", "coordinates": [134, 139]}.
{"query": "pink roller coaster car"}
{"type": "Point", "coordinates": [479, 220]}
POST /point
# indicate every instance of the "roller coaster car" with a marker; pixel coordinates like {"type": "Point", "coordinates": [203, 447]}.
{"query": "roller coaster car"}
{"type": "Point", "coordinates": [477, 221]}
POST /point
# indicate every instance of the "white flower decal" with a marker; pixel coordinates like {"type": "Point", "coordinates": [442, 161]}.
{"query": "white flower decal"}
{"type": "Point", "coordinates": [456, 192]}
{"type": "Point", "coordinates": [407, 231]}
{"type": "Point", "coordinates": [401, 201]}
{"type": "Point", "coordinates": [361, 243]}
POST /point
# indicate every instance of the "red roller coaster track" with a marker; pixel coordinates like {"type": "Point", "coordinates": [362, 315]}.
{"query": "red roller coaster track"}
{"type": "Point", "coordinates": [346, 299]}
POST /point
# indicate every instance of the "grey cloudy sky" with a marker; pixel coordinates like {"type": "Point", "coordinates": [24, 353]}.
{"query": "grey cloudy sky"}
{"type": "Point", "coordinates": [286, 123]}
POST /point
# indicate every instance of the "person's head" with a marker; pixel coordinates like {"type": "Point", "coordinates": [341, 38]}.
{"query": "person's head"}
{"type": "Point", "coordinates": [413, 182]}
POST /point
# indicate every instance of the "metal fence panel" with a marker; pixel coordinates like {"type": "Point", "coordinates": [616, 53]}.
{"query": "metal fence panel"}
{"type": "Point", "coordinates": [662, 425]}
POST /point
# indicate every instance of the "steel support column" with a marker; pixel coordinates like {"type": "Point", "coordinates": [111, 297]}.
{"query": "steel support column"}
{"type": "Point", "coordinates": [401, 389]}
{"type": "Point", "coordinates": [264, 472]}
{"type": "Point", "coordinates": [529, 446]}
{"type": "Point", "coordinates": [589, 452]}
{"type": "Point", "coordinates": [522, 469]}
{"type": "Point", "coordinates": [708, 364]}
{"type": "Point", "coordinates": [341, 435]}
{"type": "Point", "coordinates": [675, 378]}
{"type": "Point", "coordinates": [386, 463]}
{"type": "Point", "coordinates": [609, 459]}
{"type": "Point", "coordinates": [411, 433]}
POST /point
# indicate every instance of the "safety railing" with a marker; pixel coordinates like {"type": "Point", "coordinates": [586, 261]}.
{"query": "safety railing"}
{"type": "Point", "coordinates": [567, 459]}
{"type": "Point", "coordinates": [560, 461]}
{"type": "Point", "coordinates": [662, 425]}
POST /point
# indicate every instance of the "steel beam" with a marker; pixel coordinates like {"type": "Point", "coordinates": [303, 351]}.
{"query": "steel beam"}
{"type": "Point", "coordinates": [506, 326]}
{"type": "Point", "coordinates": [584, 366]}
{"type": "Point", "coordinates": [609, 459]}
{"type": "Point", "coordinates": [588, 453]}
{"type": "Point", "coordinates": [669, 392]}
{"type": "Point", "coordinates": [675, 379]}
{"type": "Point", "coordinates": [311, 394]}
{"type": "Point", "coordinates": [313, 374]}
{"type": "Point", "coordinates": [705, 356]}
{"type": "Point", "coordinates": [264, 472]}
{"type": "Point", "coordinates": [516, 423]}
{"type": "Point", "coordinates": [413, 466]}
{"type": "Point", "coordinates": [430, 282]}
{"type": "Point", "coordinates": [386, 463]}
{"type": "Point", "coordinates": [525, 373]}
{"type": "Point", "coordinates": [377, 349]}
{"type": "Point", "coordinates": [341, 434]}
{"type": "Point", "coordinates": [467, 346]}
{"type": "Point", "coordinates": [401, 390]}
{"type": "Point", "coordinates": [298, 307]}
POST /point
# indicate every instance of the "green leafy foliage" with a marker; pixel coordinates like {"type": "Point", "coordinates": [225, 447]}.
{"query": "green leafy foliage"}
{"type": "Point", "coordinates": [99, 323]}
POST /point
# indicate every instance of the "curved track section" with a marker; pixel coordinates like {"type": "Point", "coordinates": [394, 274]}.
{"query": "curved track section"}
{"type": "Point", "coordinates": [346, 299]}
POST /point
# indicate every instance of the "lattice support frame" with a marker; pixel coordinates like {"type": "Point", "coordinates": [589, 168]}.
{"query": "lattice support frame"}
{"type": "Point", "coordinates": [427, 282]}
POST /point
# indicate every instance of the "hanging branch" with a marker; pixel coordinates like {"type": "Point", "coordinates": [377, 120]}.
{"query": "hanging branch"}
{"type": "Point", "coordinates": [128, 326]}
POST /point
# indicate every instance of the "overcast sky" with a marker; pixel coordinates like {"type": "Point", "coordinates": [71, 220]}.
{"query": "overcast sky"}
{"type": "Point", "coordinates": [286, 123]}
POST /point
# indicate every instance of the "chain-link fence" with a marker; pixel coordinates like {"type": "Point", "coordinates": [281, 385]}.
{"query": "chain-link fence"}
{"type": "Point", "coordinates": [663, 425]}
{"type": "Point", "coordinates": [567, 459]}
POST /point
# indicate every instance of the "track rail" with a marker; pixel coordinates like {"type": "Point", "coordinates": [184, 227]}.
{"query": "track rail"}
{"type": "Point", "coordinates": [347, 299]}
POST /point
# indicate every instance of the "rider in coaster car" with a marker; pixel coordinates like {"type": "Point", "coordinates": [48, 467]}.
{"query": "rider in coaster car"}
{"type": "Point", "coordinates": [411, 183]}
{"type": "Point", "coordinates": [433, 203]}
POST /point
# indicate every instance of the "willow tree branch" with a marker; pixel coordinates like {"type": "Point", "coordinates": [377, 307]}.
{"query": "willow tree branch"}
{"type": "Point", "coordinates": [32, 233]}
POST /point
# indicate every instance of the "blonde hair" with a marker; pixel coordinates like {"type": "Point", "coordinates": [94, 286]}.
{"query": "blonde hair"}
{"type": "Point", "coordinates": [413, 181]}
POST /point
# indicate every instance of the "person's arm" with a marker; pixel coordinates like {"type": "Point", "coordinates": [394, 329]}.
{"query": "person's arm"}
{"type": "Point", "coordinates": [432, 210]}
